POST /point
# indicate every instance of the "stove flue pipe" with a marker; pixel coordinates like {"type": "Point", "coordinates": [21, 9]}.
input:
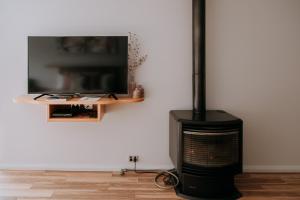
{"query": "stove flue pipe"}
{"type": "Point", "coordinates": [199, 96]}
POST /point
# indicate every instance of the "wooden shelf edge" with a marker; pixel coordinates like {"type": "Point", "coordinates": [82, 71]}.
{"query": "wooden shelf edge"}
{"type": "Point", "coordinates": [101, 104]}
{"type": "Point", "coordinates": [28, 99]}
{"type": "Point", "coordinates": [73, 120]}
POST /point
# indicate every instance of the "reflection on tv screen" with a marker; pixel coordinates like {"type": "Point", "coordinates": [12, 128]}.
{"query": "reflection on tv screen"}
{"type": "Point", "coordinates": [66, 65]}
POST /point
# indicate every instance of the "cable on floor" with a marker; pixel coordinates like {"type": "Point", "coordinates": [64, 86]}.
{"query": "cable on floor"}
{"type": "Point", "coordinates": [168, 177]}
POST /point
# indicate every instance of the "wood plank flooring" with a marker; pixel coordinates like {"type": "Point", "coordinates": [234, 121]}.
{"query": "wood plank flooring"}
{"type": "Point", "coordinates": [46, 185]}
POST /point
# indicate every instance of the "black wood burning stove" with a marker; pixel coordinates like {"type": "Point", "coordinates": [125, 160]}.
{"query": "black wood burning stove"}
{"type": "Point", "coordinates": [205, 145]}
{"type": "Point", "coordinates": [207, 153]}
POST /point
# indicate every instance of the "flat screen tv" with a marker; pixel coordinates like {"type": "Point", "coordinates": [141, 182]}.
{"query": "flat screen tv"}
{"type": "Point", "coordinates": [81, 64]}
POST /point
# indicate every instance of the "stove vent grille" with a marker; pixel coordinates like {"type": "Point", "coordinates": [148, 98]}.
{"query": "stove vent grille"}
{"type": "Point", "coordinates": [210, 149]}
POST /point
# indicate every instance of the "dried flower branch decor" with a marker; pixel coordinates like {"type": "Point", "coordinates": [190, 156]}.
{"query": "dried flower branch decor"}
{"type": "Point", "coordinates": [135, 59]}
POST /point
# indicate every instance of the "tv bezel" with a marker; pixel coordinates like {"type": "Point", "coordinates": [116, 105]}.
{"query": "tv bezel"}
{"type": "Point", "coordinates": [89, 93]}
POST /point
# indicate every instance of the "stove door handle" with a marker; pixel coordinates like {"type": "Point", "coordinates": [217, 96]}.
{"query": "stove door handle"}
{"type": "Point", "coordinates": [210, 133]}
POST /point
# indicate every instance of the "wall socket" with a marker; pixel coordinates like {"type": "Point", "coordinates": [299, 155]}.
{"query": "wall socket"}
{"type": "Point", "coordinates": [133, 158]}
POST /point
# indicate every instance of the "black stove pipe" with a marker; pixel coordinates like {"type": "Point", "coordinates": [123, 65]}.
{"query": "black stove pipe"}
{"type": "Point", "coordinates": [199, 96]}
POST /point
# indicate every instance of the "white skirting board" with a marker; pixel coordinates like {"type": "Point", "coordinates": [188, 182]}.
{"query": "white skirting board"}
{"type": "Point", "coordinates": [80, 167]}
{"type": "Point", "coordinates": [247, 168]}
{"type": "Point", "coordinates": [272, 168]}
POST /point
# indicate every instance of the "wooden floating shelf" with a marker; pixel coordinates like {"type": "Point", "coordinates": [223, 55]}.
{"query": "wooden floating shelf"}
{"type": "Point", "coordinates": [98, 107]}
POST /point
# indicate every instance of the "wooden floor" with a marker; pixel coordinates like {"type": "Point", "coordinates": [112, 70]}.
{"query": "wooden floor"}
{"type": "Point", "coordinates": [43, 185]}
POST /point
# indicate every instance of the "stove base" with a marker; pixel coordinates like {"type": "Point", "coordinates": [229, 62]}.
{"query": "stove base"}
{"type": "Point", "coordinates": [207, 187]}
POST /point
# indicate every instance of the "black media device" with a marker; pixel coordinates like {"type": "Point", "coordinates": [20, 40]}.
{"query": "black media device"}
{"type": "Point", "coordinates": [78, 65]}
{"type": "Point", "coordinates": [69, 111]}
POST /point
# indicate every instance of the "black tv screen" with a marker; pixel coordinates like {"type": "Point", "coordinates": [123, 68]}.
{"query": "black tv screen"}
{"type": "Point", "coordinates": [85, 65]}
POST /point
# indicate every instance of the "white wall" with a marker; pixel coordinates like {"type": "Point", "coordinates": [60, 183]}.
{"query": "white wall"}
{"type": "Point", "coordinates": [254, 72]}
{"type": "Point", "coordinates": [253, 68]}
{"type": "Point", "coordinates": [134, 129]}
